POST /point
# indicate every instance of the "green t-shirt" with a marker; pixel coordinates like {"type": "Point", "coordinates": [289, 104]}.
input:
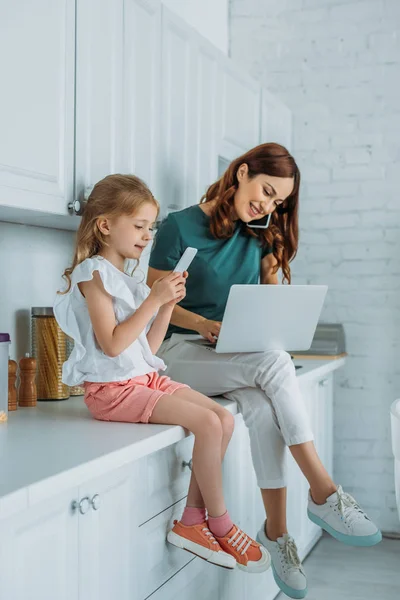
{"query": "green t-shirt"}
{"type": "Point", "coordinates": [217, 265]}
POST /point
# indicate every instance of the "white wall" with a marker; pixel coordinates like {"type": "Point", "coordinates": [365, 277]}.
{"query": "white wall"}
{"type": "Point", "coordinates": [209, 17]}
{"type": "Point", "coordinates": [32, 260]}
{"type": "Point", "coordinates": [337, 66]}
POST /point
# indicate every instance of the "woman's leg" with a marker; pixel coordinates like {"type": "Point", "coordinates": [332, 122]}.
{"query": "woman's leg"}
{"type": "Point", "coordinates": [274, 412]}
{"type": "Point", "coordinates": [206, 426]}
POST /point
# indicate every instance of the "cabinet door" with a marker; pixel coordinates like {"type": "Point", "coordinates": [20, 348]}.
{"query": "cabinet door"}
{"type": "Point", "coordinates": [196, 581]}
{"type": "Point", "coordinates": [325, 393]}
{"type": "Point", "coordinates": [39, 552]}
{"type": "Point", "coordinates": [37, 58]}
{"type": "Point", "coordinates": [238, 113]}
{"type": "Point", "coordinates": [142, 70]}
{"type": "Point", "coordinates": [105, 539]}
{"type": "Point", "coordinates": [205, 167]}
{"type": "Point", "coordinates": [179, 111]}
{"type": "Point", "coordinates": [276, 121]}
{"type": "Point", "coordinates": [99, 91]}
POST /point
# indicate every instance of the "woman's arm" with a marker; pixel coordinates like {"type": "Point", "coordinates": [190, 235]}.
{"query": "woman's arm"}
{"type": "Point", "coordinates": [114, 339]}
{"type": "Point", "coordinates": [267, 274]}
{"type": "Point", "coordinates": [185, 318]}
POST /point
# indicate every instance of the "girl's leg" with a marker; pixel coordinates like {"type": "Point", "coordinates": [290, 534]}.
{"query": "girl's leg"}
{"type": "Point", "coordinates": [206, 427]}
{"type": "Point", "coordinates": [194, 497]}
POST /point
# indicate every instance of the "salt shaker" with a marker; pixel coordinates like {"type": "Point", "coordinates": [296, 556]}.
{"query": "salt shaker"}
{"type": "Point", "coordinates": [12, 390]}
{"type": "Point", "coordinates": [27, 394]}
{"type": "Point", "coordinates": [4, 346]}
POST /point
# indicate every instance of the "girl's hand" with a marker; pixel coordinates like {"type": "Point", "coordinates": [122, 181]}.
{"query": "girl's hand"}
{"type": "Point", "coordinates": [209, 329]}
{"type": "Point", "coordinates": [168, 289]}
{"type": "Point", "coordinates": [182, 295]}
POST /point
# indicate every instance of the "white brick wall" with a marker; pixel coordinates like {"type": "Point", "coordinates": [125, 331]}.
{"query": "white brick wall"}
{"type": "Point", "coordinates": [336, 64]}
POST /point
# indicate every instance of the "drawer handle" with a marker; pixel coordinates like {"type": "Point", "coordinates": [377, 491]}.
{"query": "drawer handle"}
{"type": "Point", "coordinates": [83, 506]}
{"type": "Point", "coordinates": [323, 383]}
{"type": "Point", "coordinates": [187, 464]}
{"type": "Point", "coordinates": [95, 502]}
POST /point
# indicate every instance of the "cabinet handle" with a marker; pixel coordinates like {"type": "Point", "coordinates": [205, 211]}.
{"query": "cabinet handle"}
{"type": "Point", "coordinates": [83, 505]}
{"type": "Point", "coordinates": [323, 383]}
{"type": "Point", "coordinates": [95, 502]}
{"type": "Point", "coordinates": [187, 464]}
{"type": "Point", "coordinates": [77, 206]}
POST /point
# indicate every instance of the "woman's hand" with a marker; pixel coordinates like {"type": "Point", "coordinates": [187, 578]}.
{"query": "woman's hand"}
{"type": "Point", "coordinates": [209, 329]}
{"type": "Point", "coordinates": [169, 290]}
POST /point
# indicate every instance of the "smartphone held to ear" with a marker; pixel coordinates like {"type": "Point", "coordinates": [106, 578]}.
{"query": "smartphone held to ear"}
{"type": "Point", "coordinates": [260, 223]}
{"type": "Point", "coordinates": [185, 260]}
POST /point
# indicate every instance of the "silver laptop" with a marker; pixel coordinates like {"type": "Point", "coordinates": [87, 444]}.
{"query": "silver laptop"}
{"type": "Point", "coordinates": [258, 318]}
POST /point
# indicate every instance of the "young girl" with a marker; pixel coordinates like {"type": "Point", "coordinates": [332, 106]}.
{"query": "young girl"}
{"type": "Point", "coordinates": [118, 324]}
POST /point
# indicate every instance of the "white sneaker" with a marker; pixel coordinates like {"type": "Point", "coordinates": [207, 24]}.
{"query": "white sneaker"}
{"type": "Point", "coordinates": [344, 519]}
{"type": "Point", "coordinates": [286, 566]}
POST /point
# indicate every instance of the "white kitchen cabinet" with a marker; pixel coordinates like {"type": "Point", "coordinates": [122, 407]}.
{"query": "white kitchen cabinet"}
{"type": "Point", "coordinates": [142, 91]}
{"type": "Point", "coordinates": [276, 121]}
{"type": "Point", "coordinates": [178, 114]}
{"type": "Point", "coordinates": [39, 552]}
{"type": "Point", "coordinates": [37, 63]}
{"type": "Point", "coordinates": [238, 113]}
{"type": "Point", "coordinates": [58, 551]}
{"type": "Point", "coordinates": [99, 91]}
{"type": "Point", "coordinates": [105, 538]}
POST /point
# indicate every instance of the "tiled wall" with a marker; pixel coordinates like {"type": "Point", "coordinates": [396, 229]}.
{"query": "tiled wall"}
{"type": "Point", "coordinates": [336, 64]}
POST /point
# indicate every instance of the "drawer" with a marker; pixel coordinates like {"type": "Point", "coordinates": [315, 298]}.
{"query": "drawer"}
{"type": "Point", "coordinates": [159, 560]}
{"type": "Point", "coordinates": [196, 581]}
{"type": "Point", "coordinates": [164, 478]}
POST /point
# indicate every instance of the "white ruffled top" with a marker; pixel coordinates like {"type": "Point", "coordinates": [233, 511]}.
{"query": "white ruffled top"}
{"type": "Point", "coordinates": [87, 361]}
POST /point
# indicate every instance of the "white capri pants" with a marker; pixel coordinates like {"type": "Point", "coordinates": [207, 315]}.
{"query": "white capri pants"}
{"type": "Point", "coordinates": [266, 389]}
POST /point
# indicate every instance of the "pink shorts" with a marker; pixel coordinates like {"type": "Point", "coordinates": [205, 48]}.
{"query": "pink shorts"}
{"type": "Point", "coordinates": [132, 400]}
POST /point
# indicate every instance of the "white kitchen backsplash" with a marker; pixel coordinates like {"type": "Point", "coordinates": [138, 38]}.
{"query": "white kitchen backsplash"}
{"type": "Point", "coordinates": [32, 260]}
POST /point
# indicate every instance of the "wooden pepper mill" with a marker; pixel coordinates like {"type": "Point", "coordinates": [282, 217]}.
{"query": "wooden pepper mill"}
{"type": "Point", "coordinates": [27, 394]}
{"type": "Point", "coordinates": [12, 390]}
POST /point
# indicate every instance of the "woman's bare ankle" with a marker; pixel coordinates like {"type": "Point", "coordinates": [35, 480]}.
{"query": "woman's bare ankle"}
{"type": "Point", "coordinates": [273, 532]}
{"type": "Point", "coordinates": [319, 496]}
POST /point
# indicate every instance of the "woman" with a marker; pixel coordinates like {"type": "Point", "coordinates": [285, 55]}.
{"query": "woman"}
{"type": "Point", "coordinates": [263, 181]}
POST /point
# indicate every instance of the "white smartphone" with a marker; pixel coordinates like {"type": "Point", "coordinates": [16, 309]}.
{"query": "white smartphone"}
{"type": "Point", "coordinates": [185, 260]}
{"type": "Point", "coordinates": [260, 223]}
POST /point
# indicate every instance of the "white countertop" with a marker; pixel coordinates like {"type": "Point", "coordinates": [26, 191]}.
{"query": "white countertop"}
{"type": "Point", "coordinates": [58, 445]}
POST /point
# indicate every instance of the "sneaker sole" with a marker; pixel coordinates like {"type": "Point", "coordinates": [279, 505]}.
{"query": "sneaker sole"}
{"type": "Point", "coordinates": [349, 540]}
{"type": "Point", "coordinates": [216, 558]}
{"type": "Point", "coordinates": [259, 567]}
{"type": "Point", "coordinates": [286, 589]}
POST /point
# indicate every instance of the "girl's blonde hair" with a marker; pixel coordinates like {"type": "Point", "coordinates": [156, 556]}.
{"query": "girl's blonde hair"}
{"type": "Point", "coordinates": [113, 196]}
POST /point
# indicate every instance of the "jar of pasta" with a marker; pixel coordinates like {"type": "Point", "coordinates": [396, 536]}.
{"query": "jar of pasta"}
{"type": "Point", "coordinates": [49, 347]}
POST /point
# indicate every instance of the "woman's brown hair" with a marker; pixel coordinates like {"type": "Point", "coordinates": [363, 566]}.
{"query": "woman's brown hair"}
{"type": "Point", "coordinates": [282, 235]}
{"type": "Point", "coordinates": [113, 196]}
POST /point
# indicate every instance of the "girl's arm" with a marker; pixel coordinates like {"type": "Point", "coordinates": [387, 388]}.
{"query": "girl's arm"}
{"type": "Point", "coordinates": [114, 339]}
{"type": "Point", "coordinates": [185, 318]}
{"type": "Point", "coordinates": [159, 327]}
{"type": "Point", "coordinates": [267, 274]}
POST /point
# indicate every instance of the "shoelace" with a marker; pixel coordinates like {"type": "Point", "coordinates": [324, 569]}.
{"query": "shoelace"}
{"type": "Point", "coordinates": [289, 548]}
{"type": "Point", "coordinates": [348, 507]}
{"type": "Point", "coordinates": [239, 534]}
{"type": "Point", "coordinates": [207, 532]}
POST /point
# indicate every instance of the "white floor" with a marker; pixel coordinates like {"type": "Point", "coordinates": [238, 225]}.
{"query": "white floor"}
{"type": "Point", "coordinates": [339, 572]}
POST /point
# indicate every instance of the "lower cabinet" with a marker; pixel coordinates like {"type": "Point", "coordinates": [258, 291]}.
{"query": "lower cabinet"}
{"type": "Point", "coordinates": [107, 538]}
{"type": "Point", "coordinates": [76, 545]}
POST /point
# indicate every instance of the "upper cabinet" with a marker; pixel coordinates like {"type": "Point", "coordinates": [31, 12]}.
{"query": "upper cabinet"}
{"type": "Point", "coordinates": [93, 87]}
{"type": "Point", "coordinates": [276, 121]}
{"type": "Point", "coordinates": [37, 62]}
{"type": "Point", "coordinates": [238, 115]}
{"type": "Point", "coordinates": [99, 92]}
{"type": "Point", "coordinates": [142, 91]}
{"type": "Point", "coordinates": [189, 113]}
